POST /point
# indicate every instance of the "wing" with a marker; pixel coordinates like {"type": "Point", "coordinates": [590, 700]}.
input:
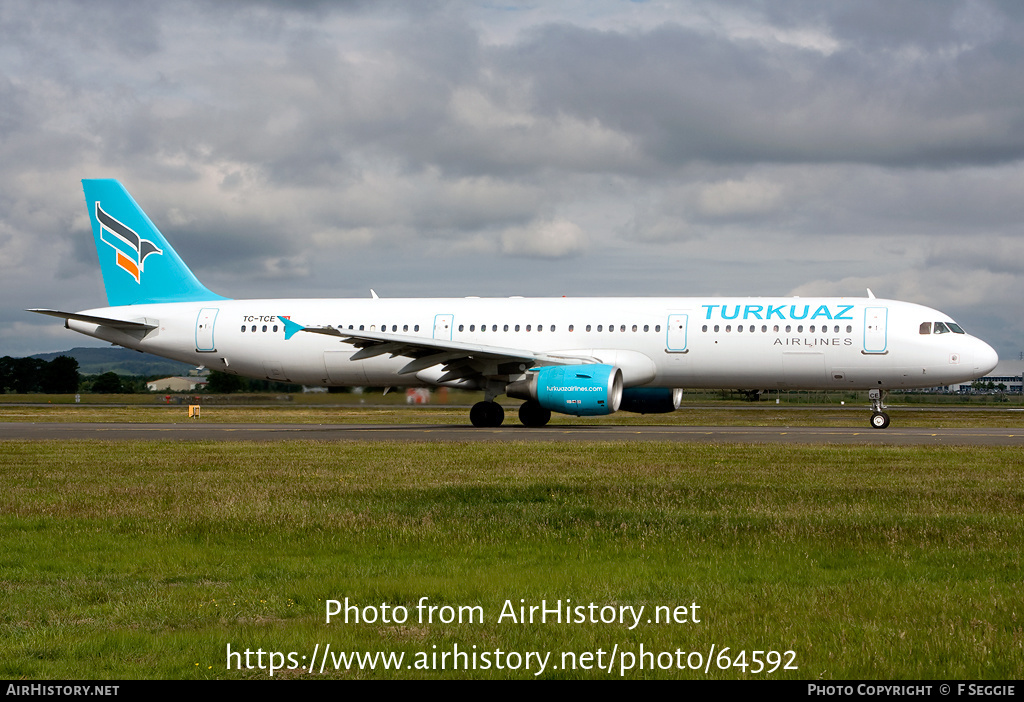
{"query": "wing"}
{"type": "Point", "coordinates": [462, 361]}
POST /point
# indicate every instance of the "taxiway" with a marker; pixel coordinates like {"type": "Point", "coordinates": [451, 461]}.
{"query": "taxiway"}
{"type": "Point", "coordinates": [195, 431]}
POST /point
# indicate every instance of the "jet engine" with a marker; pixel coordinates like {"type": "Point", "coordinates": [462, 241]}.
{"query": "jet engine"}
{"type": "Point", "coordinates": [583, 391]}
{"type": "Point", "coordinates": [651, 400]}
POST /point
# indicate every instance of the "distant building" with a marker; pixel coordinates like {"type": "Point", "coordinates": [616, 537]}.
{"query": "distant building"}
{"type": "Point", "coordinates": [176, 384]}
{"type": "Point", "coordinates": [1008, 373]}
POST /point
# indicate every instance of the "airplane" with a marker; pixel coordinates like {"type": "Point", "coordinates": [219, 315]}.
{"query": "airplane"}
{"type": "Point", "coordinates": [574, 356]}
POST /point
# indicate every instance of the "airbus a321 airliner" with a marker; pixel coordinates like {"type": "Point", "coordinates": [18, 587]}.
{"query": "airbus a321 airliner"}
{"type": "Point", "coordinates": [576, 356]}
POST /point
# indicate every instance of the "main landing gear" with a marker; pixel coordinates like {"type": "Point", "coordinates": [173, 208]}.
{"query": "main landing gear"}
{"type": "Point", "coordinates": [487, 414]}
{"type": "Point", "coordinates": [879, 419]}
{"type": "Point", "coordinates": [531, 414]}
{"type": "Point", "coordinates": [491, 414]}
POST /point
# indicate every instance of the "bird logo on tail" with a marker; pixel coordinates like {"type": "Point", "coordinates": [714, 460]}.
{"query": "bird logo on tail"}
{"type": "Point", "coordinates": [130, 249]}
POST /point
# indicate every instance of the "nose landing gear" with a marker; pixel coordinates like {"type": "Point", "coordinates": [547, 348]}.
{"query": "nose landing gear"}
{"type": "Point", "coordinates": [879, 419]}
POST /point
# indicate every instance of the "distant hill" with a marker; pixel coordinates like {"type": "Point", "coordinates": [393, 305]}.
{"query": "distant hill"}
{"type": "Point", "coordinates": [93, 361]}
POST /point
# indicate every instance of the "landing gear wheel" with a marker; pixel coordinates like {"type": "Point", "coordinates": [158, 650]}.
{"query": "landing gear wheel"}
{"type": "Point", "coordinates": [531, 414]}
{"type": "Point", "coordinates": [487, 414]}
{"type": "Point", "coordinates": [879, 419]}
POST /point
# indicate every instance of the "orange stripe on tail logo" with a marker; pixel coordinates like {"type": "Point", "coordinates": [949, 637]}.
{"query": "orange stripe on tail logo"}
{"type": "Point", "coordinates": [128, 265]}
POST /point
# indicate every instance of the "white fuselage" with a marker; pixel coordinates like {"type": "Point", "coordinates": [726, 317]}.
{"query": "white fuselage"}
{"type": "Point", "coordinates": [745, 343]}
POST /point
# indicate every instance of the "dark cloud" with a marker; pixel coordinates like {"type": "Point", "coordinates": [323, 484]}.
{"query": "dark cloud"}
{"type": "Point", "coordinates": [445, 148]}
{"type": "Point", "coordinates": [685, 95]}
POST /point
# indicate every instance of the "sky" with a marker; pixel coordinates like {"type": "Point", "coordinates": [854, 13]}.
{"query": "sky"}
{"type": "Point", "coordinates": [587, 148]}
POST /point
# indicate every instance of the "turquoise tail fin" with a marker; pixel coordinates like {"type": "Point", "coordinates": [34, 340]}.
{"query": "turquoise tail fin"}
{"type": "Point", "coordinates": [138, 264]}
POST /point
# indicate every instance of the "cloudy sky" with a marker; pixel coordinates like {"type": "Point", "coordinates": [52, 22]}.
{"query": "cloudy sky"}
{"type": "Point", "coordinates": [318, 149]}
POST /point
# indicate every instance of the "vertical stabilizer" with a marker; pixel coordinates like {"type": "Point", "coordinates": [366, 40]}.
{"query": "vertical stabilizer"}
{"type": "Point", "coordinates": [138, 264]}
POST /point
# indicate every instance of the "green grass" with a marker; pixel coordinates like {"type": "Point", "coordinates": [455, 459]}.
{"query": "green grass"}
{"type": "Point", "coordinates": [146, 559]}
{"type": "Point", "coordinates": [699, 415]}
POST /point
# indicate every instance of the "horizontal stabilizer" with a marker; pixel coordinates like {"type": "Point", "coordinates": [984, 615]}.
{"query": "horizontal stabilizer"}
{"type": "Point", "coordinates": [123, 324]}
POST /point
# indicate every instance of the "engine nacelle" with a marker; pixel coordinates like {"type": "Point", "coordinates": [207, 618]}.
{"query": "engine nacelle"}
{"type": "Point", "coordinates": [584, 391]}
{"type": "Point", "coordinates": [651, 400]}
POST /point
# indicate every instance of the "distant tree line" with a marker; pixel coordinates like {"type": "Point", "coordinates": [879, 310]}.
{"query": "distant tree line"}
{"type": "Point", "coordinates": [25, 375]}
{"type": "Point", "coordinates": [223, 383]}
{"type": "Point", "coordinates": [61, 375]}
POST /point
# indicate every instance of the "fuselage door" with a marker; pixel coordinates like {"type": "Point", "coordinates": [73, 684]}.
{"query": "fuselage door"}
{"type": "Point", "coordinates": [875, 329]}
{"type": "Point", "coordinates": [204, 329]}
{"type": "Point", "coordinates": [443, 326]}
{"type": "Point", "coordinates": [675, 339]}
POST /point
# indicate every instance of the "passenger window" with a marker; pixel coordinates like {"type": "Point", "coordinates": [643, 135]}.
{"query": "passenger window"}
{"type": "Point", "coordinates": [517, 327]}
{"type": "Point", "coordinates": [506, 328]}
{"type": "Point", "coordinates": [528, 327]}
{"type": "Point", "coordinates": [600, 327]}
{"type": "Point", "coordinates": [243, 327]}
{"type": "Point", "coordinates": [648, 328]}
{"type": "Point", "coordinates": [716, 327]}
{"type": "Point", "coordinates": [657, 327]}
{"type": "Point", "coordinates": [570, 327]}
{"type": "Point", "coordinates": [588, 327]}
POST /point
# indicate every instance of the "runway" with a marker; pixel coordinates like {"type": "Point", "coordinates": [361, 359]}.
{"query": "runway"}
{"type": "Point", "coordinates": [893, 436]}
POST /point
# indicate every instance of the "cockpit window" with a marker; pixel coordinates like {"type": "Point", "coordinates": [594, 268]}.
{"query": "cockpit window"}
{"type": "Point", "coordinates": [926, 327]}
{"type": "Point", "coordinates": [956, 328]}
{"type": "Point", "coordinates": [941, 328]}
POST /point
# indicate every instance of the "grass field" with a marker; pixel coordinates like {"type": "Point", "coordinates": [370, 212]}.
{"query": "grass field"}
{"type": "Point", "coordinates": [148, 559]}
{"type": "Point", "coordinates": [711, 414]}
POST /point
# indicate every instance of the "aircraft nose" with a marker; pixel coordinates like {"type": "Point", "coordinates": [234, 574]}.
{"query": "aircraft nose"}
{"type": "Point", "coordinates": [985, 358]}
